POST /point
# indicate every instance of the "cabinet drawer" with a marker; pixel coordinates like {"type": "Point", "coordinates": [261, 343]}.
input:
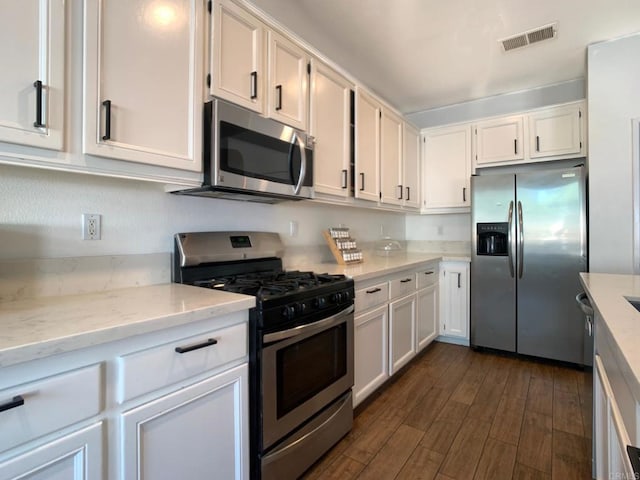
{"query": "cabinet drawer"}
{"type": "Point", "coordinates": [49, 405]}
{"type": "Point", "coordinates": [157, 367]}
{"type": "Point", "coordinates": [402, 285]}
{"type": "Point", "coordinates": [427, 276]}
{"type": "Point", "coordinates": [371, 296]}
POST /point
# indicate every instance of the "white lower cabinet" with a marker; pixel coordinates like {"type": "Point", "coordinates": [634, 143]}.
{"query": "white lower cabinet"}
{"type": "Point", "coordinates": [395, 317]}
{"type": "Point", "coordinates": [454, 306]}
{"type": "Point", "coordinates": [371, 352]}
{"type": "Point", "coordinates": [402, 332]}
{"type": "Point", "coordinates": [611, 437]}
{"type": "Point", "coordinates": [197, 432]}
{"type": "Point", "coordinates": [426, 316]}
{"type": "Point", "coordinates": [168, 404]}
{"type": "Point", "coordinates": [76, 456]}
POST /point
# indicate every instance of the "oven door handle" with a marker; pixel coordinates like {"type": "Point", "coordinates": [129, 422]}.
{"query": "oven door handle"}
{"type": "Point", "coordinates": [312, 327]}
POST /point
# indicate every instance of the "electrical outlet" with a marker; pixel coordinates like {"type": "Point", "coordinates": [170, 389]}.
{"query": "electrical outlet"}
{"type": "Point", "coordinates": [91, 226]}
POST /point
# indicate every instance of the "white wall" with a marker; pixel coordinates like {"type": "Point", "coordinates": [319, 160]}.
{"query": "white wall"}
{"type": "Point", "coordinates": [614, 100]}
{"type": "Point", "coordinates": [40, 216]}
{"type": "Point", "coordinates": [450, 227]}
{"type": "Point", "coordinates": [500, 104]}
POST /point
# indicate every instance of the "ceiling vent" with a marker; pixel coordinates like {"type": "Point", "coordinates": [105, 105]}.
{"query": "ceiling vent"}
{"type": "Point", "coordinates": [536, 35]}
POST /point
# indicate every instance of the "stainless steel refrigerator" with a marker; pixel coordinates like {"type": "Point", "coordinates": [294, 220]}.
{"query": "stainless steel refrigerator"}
{"type": "Point", "coordinates": [529, 242]}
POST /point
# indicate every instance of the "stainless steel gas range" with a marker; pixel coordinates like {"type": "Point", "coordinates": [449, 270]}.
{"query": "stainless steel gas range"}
{"type": "Point", "coordinates": [300, 345]}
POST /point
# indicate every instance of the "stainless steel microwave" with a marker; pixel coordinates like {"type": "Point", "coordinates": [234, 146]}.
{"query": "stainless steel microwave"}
{"type": "Point", "coordinates": [249, 157]}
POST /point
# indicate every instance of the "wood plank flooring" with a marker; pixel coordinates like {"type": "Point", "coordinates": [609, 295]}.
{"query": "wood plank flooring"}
{"type": "Point", "coordinates": [457, 414]}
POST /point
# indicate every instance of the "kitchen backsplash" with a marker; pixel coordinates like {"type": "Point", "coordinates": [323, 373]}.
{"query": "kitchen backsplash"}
{"type": "Point", "coordinates": [44, 277]}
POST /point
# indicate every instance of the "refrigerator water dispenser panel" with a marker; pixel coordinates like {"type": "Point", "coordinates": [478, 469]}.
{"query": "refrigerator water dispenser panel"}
{"type": "Point", "coordinates": [493, 239]}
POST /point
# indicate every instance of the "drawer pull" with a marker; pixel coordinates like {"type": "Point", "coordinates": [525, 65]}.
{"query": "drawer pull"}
{"type": "Point", "coordinates": [196, 346]}
{"type": "Point", "coordinates": [429, 273]}
{"type": "Point", "coordinates": [17, 401]}
{"type": "Point", "coordinates": [374, 290]}
{"type": "Point", "coordinates": [406, 280]}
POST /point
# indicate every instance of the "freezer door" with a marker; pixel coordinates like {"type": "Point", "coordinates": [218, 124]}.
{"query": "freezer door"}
{"type": "Point", "coordinates": [493, 284]}
{"type": "Point", "coordinates": [551, 210]}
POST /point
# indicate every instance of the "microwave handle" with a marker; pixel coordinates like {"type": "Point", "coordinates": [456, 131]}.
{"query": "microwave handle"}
{"type": "Point", "coordinates": [303, 157]}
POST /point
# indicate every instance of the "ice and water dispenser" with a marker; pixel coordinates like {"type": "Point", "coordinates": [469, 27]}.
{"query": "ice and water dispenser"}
{"type": "Point", "coordinates": [492, 238]}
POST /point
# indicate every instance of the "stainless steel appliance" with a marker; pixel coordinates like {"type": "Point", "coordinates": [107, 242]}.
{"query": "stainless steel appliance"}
{"type": "Point", "coordinates": [252, 158]}
{"type": "Point", "coordinates": [300, 345]}
{"type": "Point", "coordinates": [529, 242]}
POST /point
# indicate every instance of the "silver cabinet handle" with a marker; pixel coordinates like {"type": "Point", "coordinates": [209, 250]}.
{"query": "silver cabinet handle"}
{"type": "Point", "coordinates": [515, 146]}
{"type": "Point", "coordinates": [344, 178]}
{"type": "Point", "coordinates": [459, 275]}
{"type": "Point", "coordinates": [399, 192]}
{"type": "Point", "coordinates": [405, 280]}
{"type": "Point", "coordinates": [430, 272]}
{"type": "Point", "coordinates": [373, 290]}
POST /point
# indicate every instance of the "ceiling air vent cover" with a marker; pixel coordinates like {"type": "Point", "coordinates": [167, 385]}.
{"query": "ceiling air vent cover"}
{"type": "Point", "coordinates": [536, 35]}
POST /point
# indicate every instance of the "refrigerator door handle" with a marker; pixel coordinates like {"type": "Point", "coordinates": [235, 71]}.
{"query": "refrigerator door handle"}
{"type": "Point", "coordinates": [521, 242]}
{"type": "Point", "coordinates": [510, 240]}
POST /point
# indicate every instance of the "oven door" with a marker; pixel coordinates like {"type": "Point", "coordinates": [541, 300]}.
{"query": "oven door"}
{"type": "Point", "coordinates": [259, 154]}
{"type": "Point", "coordinates": [303, 370]}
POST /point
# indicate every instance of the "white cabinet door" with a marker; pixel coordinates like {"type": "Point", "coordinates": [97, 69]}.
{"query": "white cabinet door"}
{"type": "Point", "coordinates": [555, 131]}
{"type": "Point", "coordinates": [331, 128]}
{"type": "Point", "coordinates": [143, 69]}
{"type": "Point", "coordinates": [411, 166]}
{"type": "Point", "coordinates": [367, 163]}
{"type": "Point", "coordinates": [198, 432]}
{"type": "Point", "coordinates": [371, 352]}
{"type": "Point", "coordinates": [402, 332]}
{"type": "Point", "coordinates": [391, 188]}
{"type": "Point", "coordinates": [76, 456]}
{"type": "Point", "coordinates": [288, 81]}
{"type": "Point", "coordinates": [499, 140]}
{"type": "Point", "coordinates": [237, 56]}
{"type": "Point", "coordinates": [447, 167]}
{"type": "Point", "coordinates": [611, 435]}
{"type": "Point", "coordinates": [32, 49]}
{"type": "Point", "coordinates": [426, 316]}
{"type": "Point", "coordinates": [454, 295]}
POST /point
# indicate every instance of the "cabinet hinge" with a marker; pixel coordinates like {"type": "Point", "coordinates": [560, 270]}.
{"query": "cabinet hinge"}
{"type": "Point", "coordinates": [309, 68]}
{"type": "Point", "coordinates": [208, 80]}
{"type": "Point", "coordinates": [209, 6]}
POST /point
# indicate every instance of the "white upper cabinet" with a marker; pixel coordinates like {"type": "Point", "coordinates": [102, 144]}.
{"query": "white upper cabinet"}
{"type": "Point", "coordinates": [143, 72]}
{"type": "Point", "coordinates": [447, 167]}
{"type": "Point", "coordinates": [32, 53]}
{"type": "Point", "coordinates": [391, 188]}
{"type": "Point", "coordinates": [367, 164]}
{"type": "Point", "coordinates": [237, 56]}
{"type": "Point", "coordinates": [555, 131]}
{"type": "Point", "coordinates": [499, 140]}
{"type": "Point", "coordinates": [330, 125]}
{"type": "Point", "coordinates": [411, 166]}
{"type": "Point", "coordinates": [288, 81]}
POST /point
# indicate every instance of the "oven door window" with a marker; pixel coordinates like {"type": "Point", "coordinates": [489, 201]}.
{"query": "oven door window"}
{"type": "Point", "coordinates": [307, 367]}
{"type": "Point", "coordinates": [252, 154]}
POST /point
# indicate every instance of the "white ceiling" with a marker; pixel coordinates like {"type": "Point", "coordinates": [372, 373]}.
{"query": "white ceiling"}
{"type": "Point", "coordinates": [422, 54]}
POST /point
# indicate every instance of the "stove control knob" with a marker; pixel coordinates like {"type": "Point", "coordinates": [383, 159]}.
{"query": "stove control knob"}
{"type": "Point", "coordinates": [337, 297]}
{"type": "Point", "coordinates": [289, 312]}
{"type": "Point", "coordinates": [347, 296]}
{"type": "Point", "coordinates": [320, 302]}
{"type": "Point", "coordinates": [301, 308]}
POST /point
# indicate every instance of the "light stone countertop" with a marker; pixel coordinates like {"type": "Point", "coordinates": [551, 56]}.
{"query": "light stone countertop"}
{"type": "Point", "coordinates": [608, 292]}
{"type": "Point", "coordinates": [39, 327]}
{"type": "Point", "coordinates": [375, 266]}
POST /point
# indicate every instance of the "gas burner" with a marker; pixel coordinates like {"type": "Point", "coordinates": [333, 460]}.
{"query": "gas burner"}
{"type": "Point", "coordinates": [269, 284]}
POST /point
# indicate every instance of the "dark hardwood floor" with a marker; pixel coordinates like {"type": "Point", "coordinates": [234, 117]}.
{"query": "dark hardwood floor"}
{"type": "Point", "coordinates": [454, 413]}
